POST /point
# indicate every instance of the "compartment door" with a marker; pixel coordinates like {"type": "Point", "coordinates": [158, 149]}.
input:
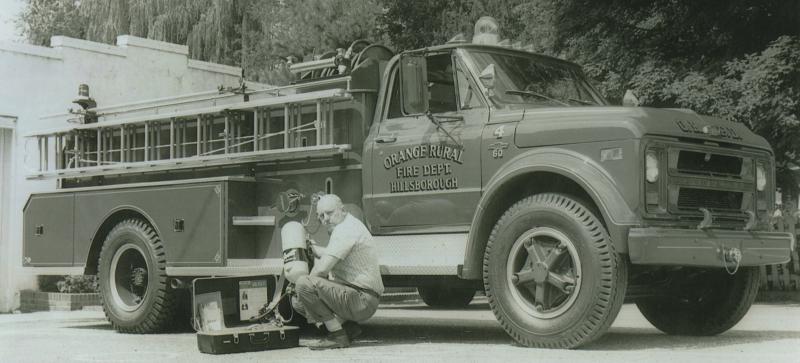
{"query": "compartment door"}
{"type": "Point", "coordinates": [48, 236]}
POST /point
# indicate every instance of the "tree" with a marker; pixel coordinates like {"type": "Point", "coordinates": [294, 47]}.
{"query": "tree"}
{"type": "Point", "coordinates": [660, 40]}
{"type": "Point", "coordinates": [41, 19]}
{"type": "Point", "coordinates": [257, 35]}
{"type": "Point", "coordinates": [305, 29]}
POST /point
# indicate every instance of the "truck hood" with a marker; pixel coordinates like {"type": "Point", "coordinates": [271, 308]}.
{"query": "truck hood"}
{"type": "Point", "coordinates": [553, 126]}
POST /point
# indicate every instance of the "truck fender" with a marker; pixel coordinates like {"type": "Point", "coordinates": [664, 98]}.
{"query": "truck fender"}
{"type": "Point", "coordinates": [111, 219]}
{"type": "Point", "coordinates": [586, 173]}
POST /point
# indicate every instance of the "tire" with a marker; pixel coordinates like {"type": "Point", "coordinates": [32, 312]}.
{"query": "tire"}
{"type": "Point", "coordinates": [446, 297]}
{"type": "Point", "coordinates": [133, 280]}
{"type": "Point", "coordinates": [702, 304]}
{"type": "Point", "coordinates": [567, 296]}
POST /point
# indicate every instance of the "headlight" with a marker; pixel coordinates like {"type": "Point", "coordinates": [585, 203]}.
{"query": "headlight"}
{"type": "Point", "coordinates": [761, 177]}
{"type": "Point", "coordinates": [651, 167]}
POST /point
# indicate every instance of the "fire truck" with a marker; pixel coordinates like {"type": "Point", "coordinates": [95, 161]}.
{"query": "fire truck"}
{"type": "Point", "coordinates": [477, 165]}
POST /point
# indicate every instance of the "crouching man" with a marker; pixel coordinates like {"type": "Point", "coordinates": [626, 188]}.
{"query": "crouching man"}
{"type": "Point", "coordinates": [345, 284]}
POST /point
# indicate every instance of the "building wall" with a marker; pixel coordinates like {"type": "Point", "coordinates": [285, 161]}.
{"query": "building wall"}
{"type": "Point", "coordinates": [37, 82]}
{"type": "Point", "coordinates": [7, 125]}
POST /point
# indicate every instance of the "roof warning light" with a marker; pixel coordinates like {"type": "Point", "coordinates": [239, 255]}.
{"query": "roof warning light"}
{"type": "Point", "coordinates": [487, 31]}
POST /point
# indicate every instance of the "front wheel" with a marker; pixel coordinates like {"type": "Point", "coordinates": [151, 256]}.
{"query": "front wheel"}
{"type": "Point", "coordinates": [702, 302]}
{"type": "Point", "coordinates": [133, 281]}
{"type": "Point", "coordinates": [551, 274]}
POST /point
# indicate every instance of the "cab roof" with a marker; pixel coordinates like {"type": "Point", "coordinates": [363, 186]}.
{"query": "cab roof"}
{"type": "Point", "coordinates": [492, 48]}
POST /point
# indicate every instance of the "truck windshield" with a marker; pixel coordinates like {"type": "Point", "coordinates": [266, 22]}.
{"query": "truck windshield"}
{"type": "Point", "coordinates": [528, 80]}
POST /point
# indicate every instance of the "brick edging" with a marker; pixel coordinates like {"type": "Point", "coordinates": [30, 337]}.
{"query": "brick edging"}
{"type": "Point", "coordinates": [55, 301]}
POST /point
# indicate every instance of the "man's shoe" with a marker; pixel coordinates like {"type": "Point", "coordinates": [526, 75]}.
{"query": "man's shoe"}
{"type": "Point", "coordinates": [337, 339]}
{"type": "Point", "coordinates": [353, 330]}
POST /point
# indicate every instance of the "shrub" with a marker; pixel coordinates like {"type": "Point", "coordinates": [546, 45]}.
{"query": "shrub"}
{"type": "Point", "coordinates": [49, 283]}
{"type": "Point", "coordinates": [78, 284]}
{"type": "Point", "coordinates": [68, 284]}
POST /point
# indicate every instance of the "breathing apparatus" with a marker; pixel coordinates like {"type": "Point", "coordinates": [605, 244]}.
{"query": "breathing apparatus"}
{"type": "Point", "coordinates": [298, 255]}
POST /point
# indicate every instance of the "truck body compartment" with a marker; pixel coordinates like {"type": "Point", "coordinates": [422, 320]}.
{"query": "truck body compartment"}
{"type": "Point", "coordinates": [193, 218]}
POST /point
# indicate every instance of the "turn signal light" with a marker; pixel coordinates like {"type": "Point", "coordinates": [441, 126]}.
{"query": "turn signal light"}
{"type": "Point", "coordinates": [651, 167]}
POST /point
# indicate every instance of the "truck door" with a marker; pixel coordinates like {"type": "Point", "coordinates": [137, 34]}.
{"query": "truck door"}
{"type": "Point", "coordinates": [426, 177]}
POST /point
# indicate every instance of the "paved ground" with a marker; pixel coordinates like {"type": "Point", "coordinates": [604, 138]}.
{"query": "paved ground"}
{"type": "Point", "coordinates": [408, 333]}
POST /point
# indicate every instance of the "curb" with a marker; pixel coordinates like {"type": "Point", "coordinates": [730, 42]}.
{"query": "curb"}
{"type": "Point", "coordinates": [31, 301]}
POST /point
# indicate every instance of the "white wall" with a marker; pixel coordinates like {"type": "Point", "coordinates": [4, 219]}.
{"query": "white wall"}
{"type": "Point", "coordinates": [40, 81]}
{"type": "Point", "coordinates": [7, 126]}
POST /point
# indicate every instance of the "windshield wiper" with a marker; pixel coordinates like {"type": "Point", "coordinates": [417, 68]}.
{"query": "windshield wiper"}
{"type": "Point", "coordinates": [581, 101]}
{"type": "Point", "coordinates": [439, 126]}
{"type": "Point", "coordinates": [535, 94]}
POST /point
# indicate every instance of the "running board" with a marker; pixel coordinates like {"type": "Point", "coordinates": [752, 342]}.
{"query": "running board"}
{"type": "Point", "coordinates": [424, 255]}
{"type": "Point", "coordinates": [421, 255]}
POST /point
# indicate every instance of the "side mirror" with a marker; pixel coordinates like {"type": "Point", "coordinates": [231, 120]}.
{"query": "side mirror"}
{"type": "Point", "coordinates": [630, 99]}
{"type": "Point", "coordinates": [414, 89]}
{"type": "Point", "coordinates": [487, 78]}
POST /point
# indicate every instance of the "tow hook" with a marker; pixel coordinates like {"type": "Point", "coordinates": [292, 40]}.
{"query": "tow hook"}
{"type": "Point", "coordinates": [751, 221]}
{"type": "Point", "coordinates": [731, 256]}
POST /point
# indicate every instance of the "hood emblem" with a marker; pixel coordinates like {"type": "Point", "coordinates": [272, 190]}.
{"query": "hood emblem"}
{"type": "Point", "coordinates": [497, 149]}
{"type": "Point", "coordinates": [690, 127]}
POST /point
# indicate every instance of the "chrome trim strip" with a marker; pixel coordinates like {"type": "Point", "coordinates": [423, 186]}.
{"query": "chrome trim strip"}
{"type": "Point", "coordinates": [55, 270]}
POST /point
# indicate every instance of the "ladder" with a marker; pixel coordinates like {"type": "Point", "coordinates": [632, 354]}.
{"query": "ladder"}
{"type": "Point", "coordinates": [273, 124]}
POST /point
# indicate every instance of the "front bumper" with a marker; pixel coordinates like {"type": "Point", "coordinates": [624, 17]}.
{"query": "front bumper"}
{"type": "Point", "coordinates": [688, 247]}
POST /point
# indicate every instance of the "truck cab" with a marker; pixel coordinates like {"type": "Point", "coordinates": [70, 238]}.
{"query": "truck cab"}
{"type": "Point", "coordinates": [534, 164]}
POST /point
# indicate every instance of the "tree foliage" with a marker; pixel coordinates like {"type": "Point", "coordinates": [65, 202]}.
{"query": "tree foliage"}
{"type": "Point", "coordinates": [41, 19]}
{"type": "Point", "coordinates": [256, 35]}
{"type": "Point", "coordinates": [305, 29]}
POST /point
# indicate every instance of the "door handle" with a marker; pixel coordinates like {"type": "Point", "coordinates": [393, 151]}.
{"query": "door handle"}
{"type": "Point", "coordinates": [385, 139]}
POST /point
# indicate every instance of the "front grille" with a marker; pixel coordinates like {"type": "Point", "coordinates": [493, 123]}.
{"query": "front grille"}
{"type": "Point", "coordinates": [693, 198]}
{"type": "Point", "coordinates": [693, 162]}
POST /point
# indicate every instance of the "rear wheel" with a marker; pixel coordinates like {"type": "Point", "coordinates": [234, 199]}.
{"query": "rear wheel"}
{"type": "Point", "coordinates": [702, 302]}
{"type": "Point", "coordinates": [551, 274]}
{"type": "Point", "coordinates": [446, 297]}
{"type": "Point", "coordinates": [133, 280]}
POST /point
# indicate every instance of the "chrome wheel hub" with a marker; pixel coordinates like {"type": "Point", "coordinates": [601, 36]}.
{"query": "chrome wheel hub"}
{"type": "Point", "coordinates": [544, 272]}
{"type": "Point", "coordinates": [128, 277]}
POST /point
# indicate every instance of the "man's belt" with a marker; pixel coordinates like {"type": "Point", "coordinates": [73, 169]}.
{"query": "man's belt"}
{"type": "Point", "coordinates": [359, 288]}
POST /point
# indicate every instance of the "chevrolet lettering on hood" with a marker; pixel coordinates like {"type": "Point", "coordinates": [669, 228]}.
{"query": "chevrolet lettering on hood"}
{"type": "Point", "coordinates": [708, 130]}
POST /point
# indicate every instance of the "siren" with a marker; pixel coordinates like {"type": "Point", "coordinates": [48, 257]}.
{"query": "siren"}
{"type": "Point", "coordinates": [487, 31]}
{"type": "Point", "coordinates": [296, 257]}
